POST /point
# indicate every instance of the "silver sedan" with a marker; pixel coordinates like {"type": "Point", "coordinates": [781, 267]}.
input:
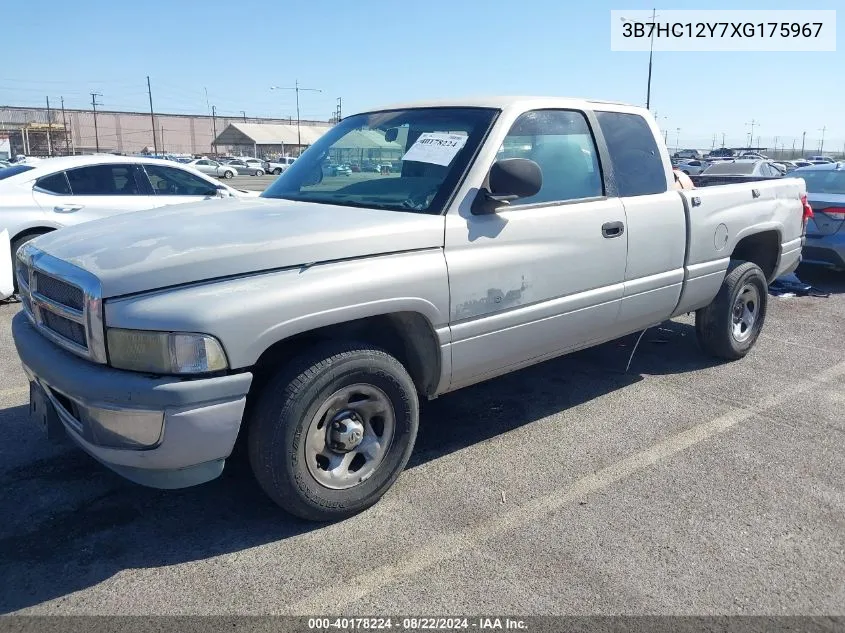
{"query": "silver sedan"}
{"type": "Point", "coordinates": [213, 168]}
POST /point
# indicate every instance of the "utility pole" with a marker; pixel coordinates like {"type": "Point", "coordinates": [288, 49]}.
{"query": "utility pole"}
{"type": "Point", "coordinates": [792, 155]}
{"type": "Point", "coordinates": [152, 116]}
{"type": "Point", "coordinates": [244, 113]}
{"type": "Point", "coordinates": [161, 129]}
{"type": "Point", "coordinates": [723, 139]}
{"type": "Point", "coordinates": [803, 136]}
{"type": "Point", "coordinates": [821, 143]}
{"type": "Point", "coordinates": [678, 139]}
{"type": "Point", "coordinates": [650, 56]}
{"type": "Point", "coordinates": [751, 133]}
{"type": "Point", "coordinates": [49, 125]}
{"type": "Point", "coordinates": [339, 104]}
{"type": "Point", "coordinates": [64, 126]}
{"type": "Point", "coordinates": [214, 129]}
{"type": "Point", "coordinates": [94, 104]}
{"type": "Point", "coordinates": [713, 144]}
{"type": "Point", "coordinates": [297, 88]}
{"type": "Point", "coordinates": [776, 145]}
{"type": "Point", "coordinates": [666, 137]}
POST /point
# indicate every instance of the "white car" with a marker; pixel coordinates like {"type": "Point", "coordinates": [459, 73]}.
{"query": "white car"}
{"type": "Point", "coordinates": [278, 165]}
{"type": "Point", "coordinates": [56, 192]}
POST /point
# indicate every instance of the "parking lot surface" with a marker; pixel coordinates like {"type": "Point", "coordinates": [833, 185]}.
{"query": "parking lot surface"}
{"type": "Point", "coordinates": [682, 486]}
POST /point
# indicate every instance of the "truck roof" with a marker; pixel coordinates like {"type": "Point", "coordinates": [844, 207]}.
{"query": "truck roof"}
{"type": "Point", "coordinates": [503, 102]}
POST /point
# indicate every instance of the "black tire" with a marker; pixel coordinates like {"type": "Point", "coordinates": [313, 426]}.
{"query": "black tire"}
{"type": "Point", "coordinates": [287, 409]}
{"type": "Point", "coordinates": [277, 171]}
{"type": "Point", "coordinates": [721, 331]}
{"type": "Point", "coordinates": [228, 174]}
{"type": "Point", "coordinates": [15, 245]}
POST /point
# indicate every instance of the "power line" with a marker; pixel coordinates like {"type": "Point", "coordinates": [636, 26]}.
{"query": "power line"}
{"type": "Point", "coordinates": [297, 88]}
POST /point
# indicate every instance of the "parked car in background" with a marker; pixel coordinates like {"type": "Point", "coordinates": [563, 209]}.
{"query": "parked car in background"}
{"type": "Point", "coordinates": [687, 153]}
{"type": "Point", "coordinates": [825, 245]}
{"type": "Point", "coordinates": [819, 160]}
{"type": "Point", "coordinates": [692, 167]}
{"type": "Point", "coordinates": [310, 324]}
{"type": "Point", "coordinates": [787, 165]}
{"type": "Point", "coordinates": [248, 167]}
{"type": "Point", "coordinates": [722, 152]}
{"type": "Point", "coordinates": [753, 155]}
{"type": "Point", "coordinates": [4, 163]}
{"type": "Point", "coordinates": [801, 163]}
{"type": "Point", "coordinates": [213, 168]}
{"type": "Point", "coordinates": [278, 165]}
{"type": "Point", "coordinates": [738, 170]}
{"type": "Point", "coordinates": [57, 192]}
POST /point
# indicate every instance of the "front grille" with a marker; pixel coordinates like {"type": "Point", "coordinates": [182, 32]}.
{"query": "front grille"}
{"type": "Point", "coordinates": [63, 302]}
{"type": "Point", "coordinates": [59, 291]}
{"type": "Point", "coordinates": [64, 327]}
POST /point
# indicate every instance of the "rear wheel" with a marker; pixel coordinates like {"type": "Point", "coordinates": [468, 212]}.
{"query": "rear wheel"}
{"type": "Point", "coordinates": [728, 327]}
{"type": "Point", "coordinates": [331, 432]}
{"type": "Point", "coordinates": [259, 172]}
{"type": "Point", "coordinates": [228, 174]}
{"type": "Point", "coordinates": [277, 171]}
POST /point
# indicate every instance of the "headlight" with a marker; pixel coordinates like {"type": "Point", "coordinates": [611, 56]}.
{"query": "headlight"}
{"type": "Point", "coordinates": [165, 352]}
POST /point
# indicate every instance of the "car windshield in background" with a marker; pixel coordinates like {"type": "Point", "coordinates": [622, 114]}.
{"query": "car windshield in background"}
{"type": "Point", "coordinates": [742, 168]}
{"type": "Point", "coordinates": [14, 170]}
{"type": "Point", "coordinates": [402, 160]}
{"type": "Point", "coordinates": [823, 180]}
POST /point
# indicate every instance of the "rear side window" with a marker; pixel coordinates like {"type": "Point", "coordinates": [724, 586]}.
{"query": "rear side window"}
{"type": "Point", "coordinates": [634, 154]}
{"type": "Point", "coordinates": [103, 180]}
{"type": "Point", "coordinates": [54, 183]}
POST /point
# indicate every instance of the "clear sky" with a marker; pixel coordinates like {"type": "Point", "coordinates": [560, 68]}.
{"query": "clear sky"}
{"type": "Point", "coordinates": [373, 52]}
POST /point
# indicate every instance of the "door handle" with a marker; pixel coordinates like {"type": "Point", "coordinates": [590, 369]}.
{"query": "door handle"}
{"type": "Point", "coordinates": [612, 229]}
{"type": "Point", "coordinates": [67, 208]}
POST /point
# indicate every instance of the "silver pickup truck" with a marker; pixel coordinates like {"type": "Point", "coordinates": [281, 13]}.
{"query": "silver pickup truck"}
{"type": "Point", "coordinates": [311, 320]}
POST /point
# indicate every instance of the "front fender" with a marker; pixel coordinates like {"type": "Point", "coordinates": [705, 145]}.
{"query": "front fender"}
{"type": "Point", "coordinates": [251, 313]}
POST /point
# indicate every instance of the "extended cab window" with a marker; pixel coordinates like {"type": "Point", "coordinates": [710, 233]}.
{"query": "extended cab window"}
{"type": "Point", "coordinates": [103, 180]}
{"type": "Point", "coordinates": [637, 165]}
{"type": "Point", "coordinates": [54, 183]}
{"type": "Point", "coordinates": [560, 142]}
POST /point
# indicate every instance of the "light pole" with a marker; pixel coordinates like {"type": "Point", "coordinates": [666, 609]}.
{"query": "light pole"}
{"type": "Point", "coordinates": [297, 88]}
{"type": "Point", "coordinates": [821, 143]}
{"type": "Point", "coordinates": [678, 139]}
{"type": "Point", "coordinates": [752, 123]}
{"type": "Point", "coordinates": [654, 16]}
{"type": "Point", "coordinates": [244, 113]}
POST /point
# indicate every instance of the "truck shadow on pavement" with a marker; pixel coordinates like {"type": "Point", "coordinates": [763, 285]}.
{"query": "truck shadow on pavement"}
{"type": "Point", "coordinates": [70, 524]}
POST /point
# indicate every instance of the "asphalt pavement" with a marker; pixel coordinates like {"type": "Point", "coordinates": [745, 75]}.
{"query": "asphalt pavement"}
{"type": "Point", "coordinates": [682, 486]}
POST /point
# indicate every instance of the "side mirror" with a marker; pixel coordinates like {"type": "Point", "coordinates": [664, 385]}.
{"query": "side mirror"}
{"type": "Point", "coordinates": [509, 179]}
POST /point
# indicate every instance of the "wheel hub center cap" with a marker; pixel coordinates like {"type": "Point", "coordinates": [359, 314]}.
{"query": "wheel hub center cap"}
{"type": "Point", "coordinates": [345, 432]}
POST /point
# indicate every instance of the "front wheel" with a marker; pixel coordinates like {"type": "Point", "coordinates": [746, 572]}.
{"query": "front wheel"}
{"type": "Point", "coordinates": [228, 174]}
{"type": "Point", "coordinates": [332, 431]}
{"type": "Point", "coordinates": [729, 327]}
{"type": "Point", "coordinates": [259, 172]}
{"type": "Point", "coordinates": [277, 171]}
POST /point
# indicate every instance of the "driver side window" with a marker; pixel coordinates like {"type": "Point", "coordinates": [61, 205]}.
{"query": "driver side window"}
{"type": "Point", "coordinates": [561, 143]}
{"type": "Point", "coordinates": [168, 181]}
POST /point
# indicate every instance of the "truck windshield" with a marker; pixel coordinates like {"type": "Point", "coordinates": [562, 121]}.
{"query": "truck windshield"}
{"type": "Point", "coordinates": [399, 160]}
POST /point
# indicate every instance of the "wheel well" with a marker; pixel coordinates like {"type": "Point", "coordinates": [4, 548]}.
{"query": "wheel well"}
{"type": "Point", "coordinates": [408, 336]}
{"type": "Point", "coordinates": [761, 248]}
{"type": "Point", "coordinates": [38, 230]}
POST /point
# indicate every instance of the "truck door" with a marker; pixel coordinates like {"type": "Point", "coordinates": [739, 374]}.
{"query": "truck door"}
{"type": "Point", "coordinates": [542, 275]}
{"type": "Point", "coordinates": [656, 220]}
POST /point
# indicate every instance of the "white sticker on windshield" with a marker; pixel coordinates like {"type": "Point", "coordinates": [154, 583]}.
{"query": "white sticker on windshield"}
{"type": "Point", "coordinates": [438, 148]}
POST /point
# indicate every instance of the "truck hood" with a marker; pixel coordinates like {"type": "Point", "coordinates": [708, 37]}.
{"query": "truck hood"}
{"type": "Point", "coordinates": [178, 244]}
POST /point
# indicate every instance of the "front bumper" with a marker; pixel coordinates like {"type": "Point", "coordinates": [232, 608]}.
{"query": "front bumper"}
{"type": "Point", "coordinates": [181, 430]}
